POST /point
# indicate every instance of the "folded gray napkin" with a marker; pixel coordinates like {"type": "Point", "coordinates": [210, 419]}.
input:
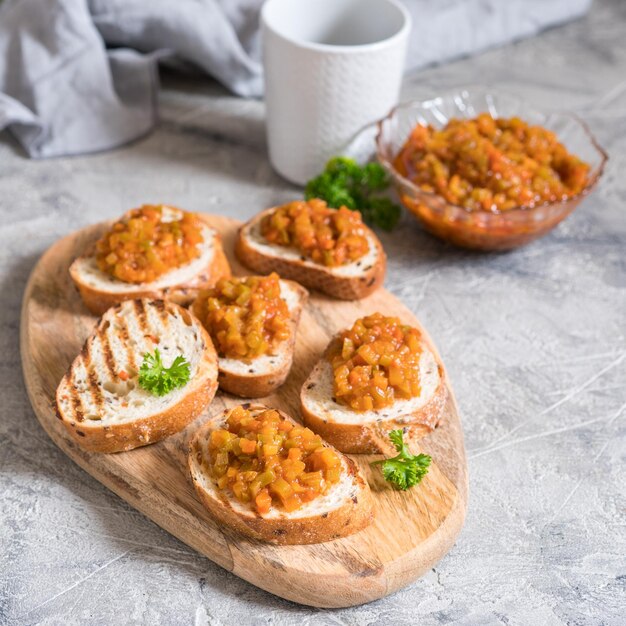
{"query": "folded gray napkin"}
{"type": "Point", "coordinates": [80, 76]}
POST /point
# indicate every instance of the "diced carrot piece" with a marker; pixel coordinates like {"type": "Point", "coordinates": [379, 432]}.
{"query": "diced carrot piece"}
{"type": "Point", "coordinates": [247, 446]}
{"type": "Point", "coordinates": [263, 501]}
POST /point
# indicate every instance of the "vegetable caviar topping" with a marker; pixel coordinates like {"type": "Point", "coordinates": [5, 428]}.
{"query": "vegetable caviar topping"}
{"type": "Point", "coordinates": [266, 460]}
{"type": "Point", "coordinates": [404, 470]}
{"type": "Point", "coordinates": [375, 362]}
{"type": "Point", "coordinates": [246, 317]}
{"type": "Point", "coordinates": [330, 237]}
{"type": "Point", "coordinates": [148, 242]}
{"type": "Point", "coordinates": [160, 380]}
{"type": "Point", "coordinates": [491, 164]}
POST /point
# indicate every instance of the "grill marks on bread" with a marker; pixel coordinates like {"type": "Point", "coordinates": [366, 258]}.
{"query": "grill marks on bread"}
{"type": "Point", "coordinates": [94, 388]}
{"type": "Point", "coordinates": [159, 306]}
{"type": "Point", "coordinates": [113, 350]}
{"type": "Point", "coordinates": [124, 337]}
{"type": "Point", "coordinates": [92, 379]}
{"type": "Point", "coordinates": [100, 401]}
{"type": "Point", "coordinates": [107, 352]}
{"type": "Point", "coordinates": [140, 311]}
{"type": "Point", "coordinates": [77, 405]}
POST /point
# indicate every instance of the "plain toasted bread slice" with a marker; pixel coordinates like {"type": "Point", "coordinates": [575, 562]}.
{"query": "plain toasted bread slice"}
{"type": "Point", "coordinates": [100, 290]}
{"type": "Point", "coordinates": [345, 509]}
{"type": "Point", "coordinates": [99, 399]}
{"type": "Point", "coordinates": [367, 432]}
{"type": "Point", "coordinates": [352, 281]}
{"type": "Point", "coordinates": [258, 377]}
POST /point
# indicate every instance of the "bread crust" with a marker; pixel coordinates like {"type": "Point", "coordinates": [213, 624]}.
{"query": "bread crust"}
{"type": "Point", "coordinates": [99, 301]}
{"type": "Point", "coordinates": [348, 518]}
{"type": "Point", "coordinates": [314, 277]}
{"type": "Point", "coordinates": [96, 437]}
{"type": "Point", "coordinates": [256, 384]}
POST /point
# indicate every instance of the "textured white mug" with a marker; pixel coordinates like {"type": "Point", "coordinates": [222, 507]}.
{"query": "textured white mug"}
{"type": "Point", "coordinates": [331, 67]}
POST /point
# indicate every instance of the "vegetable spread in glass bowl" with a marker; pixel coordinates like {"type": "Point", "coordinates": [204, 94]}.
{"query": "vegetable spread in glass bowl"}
{"type": "Point", "coordinates": [485, 170]}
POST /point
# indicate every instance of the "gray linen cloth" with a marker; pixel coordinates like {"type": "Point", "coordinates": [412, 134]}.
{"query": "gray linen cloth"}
{"type": "Point", "coordinates": [80, 76]}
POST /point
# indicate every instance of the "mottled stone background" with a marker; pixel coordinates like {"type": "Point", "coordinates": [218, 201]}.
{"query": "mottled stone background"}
{"type": "Point", "coordinates": [534, 341]}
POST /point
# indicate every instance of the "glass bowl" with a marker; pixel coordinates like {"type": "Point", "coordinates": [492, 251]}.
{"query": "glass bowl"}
{"type": "Point", "coordinates": [483, 230]}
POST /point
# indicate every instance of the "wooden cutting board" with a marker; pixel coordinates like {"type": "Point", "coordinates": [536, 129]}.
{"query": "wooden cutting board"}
{"type": "Point", "coordinates": [412, 529]}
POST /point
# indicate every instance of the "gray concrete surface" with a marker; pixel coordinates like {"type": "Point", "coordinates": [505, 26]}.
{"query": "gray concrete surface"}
{"type": "Point", "coordinates": [534, 341]}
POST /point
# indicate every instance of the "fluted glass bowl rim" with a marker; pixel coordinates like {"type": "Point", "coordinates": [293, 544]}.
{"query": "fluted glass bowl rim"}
{"type": "Point", "coordinates": [418, 191]}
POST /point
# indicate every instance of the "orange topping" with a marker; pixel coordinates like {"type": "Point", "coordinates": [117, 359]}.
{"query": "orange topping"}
{"type": "Point", "coordinates": [375, 362]}
{"type": "Point", "coordinates": [266, 460]}
{"type": "Point", "coordinates": [143, 246]}
{"type": "Point", "coordinates": [246, 317]}
{"type": "Point", "coordinates": [491, 164]}
{"type": "Point", "coordinates": [328, 236]}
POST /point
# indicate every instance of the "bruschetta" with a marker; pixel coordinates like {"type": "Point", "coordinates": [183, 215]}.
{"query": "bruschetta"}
{"type": "Point", "coordinates": [151, 252]}
{"type": "Point", "coordinates": [327, 249]}
{"type": "Point", "coordinates": [262, 474]}
{"type": "Point", "coordinates": [104, 400]}
{"type": "Point", "coordinates": [253, 322]}
{"type": "Point", "coordinates": [376, 377]}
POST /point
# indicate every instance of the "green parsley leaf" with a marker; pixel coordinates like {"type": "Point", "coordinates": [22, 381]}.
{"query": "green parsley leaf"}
{"type": "Point", "coordinates": [406, 469]}
{"type": "Point", "coordinates": [160, 380]}
{"type": "Point", "coordinates": [345, 183]}
{"type": "Point", "coordinates": [383, 212]}
{"type": "Point", "coordinates": [375, 177]}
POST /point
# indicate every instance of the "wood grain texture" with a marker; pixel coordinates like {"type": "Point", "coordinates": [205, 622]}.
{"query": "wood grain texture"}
{"type": "Point", "coordinates": [411, 532]}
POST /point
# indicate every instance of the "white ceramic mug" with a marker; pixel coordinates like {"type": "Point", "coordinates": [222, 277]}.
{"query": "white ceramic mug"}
{"type": "Point", "coordinates": [331, 67]}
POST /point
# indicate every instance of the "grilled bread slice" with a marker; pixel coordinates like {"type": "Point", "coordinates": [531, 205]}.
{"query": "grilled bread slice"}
{"type": "Point", "coordinates": [345, 509]}
{"type": "Point", "coordinates": [367, 432]}
{"type": "Point", "coordinates": [258, 377]}
{"type": "Point", "coordinates": [100, 401]}
{"type": "Point", "coordinates": [352, 281]}
{"type": "Point", "coordinates": [100, 290]}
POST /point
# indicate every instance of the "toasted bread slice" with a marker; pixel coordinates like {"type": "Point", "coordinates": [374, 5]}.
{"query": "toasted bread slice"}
{"type": "Point", "coordinates": [100, 290]}
{"type": "Point", "coordinates": [100, 401]}
{"type": "Point", "coordinates": [352, 281]}
{"type": "Point", "coordinates": [260, 376]}
{"type": "Point", "coordinates": [345, 509]}
{"type": "Point", "coordinates": [367, 432]}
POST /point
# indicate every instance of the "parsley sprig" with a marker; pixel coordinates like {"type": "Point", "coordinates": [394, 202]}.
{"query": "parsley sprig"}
{"type": "Point", "coordinates": [345, 183]}
{"type": "Point", "coordinates": [160, 380]}
{"type": "Point", "coordinates": [406, 469]}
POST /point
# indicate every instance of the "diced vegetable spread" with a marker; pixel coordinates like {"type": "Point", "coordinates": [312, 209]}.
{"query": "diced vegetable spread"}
{"type": "Point", "coordinates": [491, 164]}
{"type": "Point", "coordinates": [268, 461]}
{"type": "Point", "coordinates": [143, 246]}
{"type": "Point", "coordinates": [375, 362]}
{"type": "Point", "coordinates": [330, 237]}
{"type": "Point", "coordinates": [246, 317]}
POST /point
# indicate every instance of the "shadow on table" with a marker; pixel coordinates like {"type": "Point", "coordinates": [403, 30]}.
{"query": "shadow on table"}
{"type": "Point", "coordinates": [410, 246]}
